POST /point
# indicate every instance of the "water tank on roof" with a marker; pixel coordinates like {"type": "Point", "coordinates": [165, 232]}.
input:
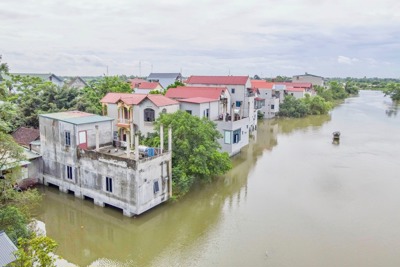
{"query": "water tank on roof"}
{"type": "Point", "coordinates": [143, 149]}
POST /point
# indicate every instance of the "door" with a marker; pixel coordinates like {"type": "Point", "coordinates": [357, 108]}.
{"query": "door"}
{"type": "Point", "coordinates": [82, 139]}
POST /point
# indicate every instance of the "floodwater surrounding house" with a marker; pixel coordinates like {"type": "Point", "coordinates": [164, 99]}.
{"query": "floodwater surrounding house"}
{"type": "Point", "coordinates": [80, 157]}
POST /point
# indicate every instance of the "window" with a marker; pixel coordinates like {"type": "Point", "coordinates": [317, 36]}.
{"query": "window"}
{"type": "Point", "coordinates": [236, 136]}
{"type": "Point", "coordinates": [115, 135]}
{"type": "Point", "coordinates": [69, 172]}
{"type": "Point", "coordinates": [164, 110]}
{"type": "Point", "coordinates": [272, 106]}
{"type": "Point", "coordinates": [149, 114]}
{"type": "Point", "coordinates": [227, 137]}
{"type": "Point", "coordinates": [156, 187]}
{"type": "Point", "coordinates": [207, 113]}
{"type": "Point", "coordinates": [109, 184]}
{"type": "Point", "coordinates": [67, 138]}
{"type": "Point", "coordinates": [238, 103]}
{"type": "Point", "coordinates": [232, 90]}
{"type": "Point", "coordinates": [189, 111]}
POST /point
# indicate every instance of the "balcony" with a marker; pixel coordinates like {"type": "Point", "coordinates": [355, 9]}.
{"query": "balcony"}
{"type": "Point", "coordinates": [123, 122]}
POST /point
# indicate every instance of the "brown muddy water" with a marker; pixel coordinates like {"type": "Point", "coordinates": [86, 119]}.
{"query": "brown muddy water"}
{"type": "Point", "coordinates": [292, 199]}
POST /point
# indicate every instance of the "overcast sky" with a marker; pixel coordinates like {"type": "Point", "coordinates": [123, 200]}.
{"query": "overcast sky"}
{"type": "Point", "coordinates": [246, 37]}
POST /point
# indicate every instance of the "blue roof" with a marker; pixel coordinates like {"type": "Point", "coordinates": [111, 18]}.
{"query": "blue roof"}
{"type": "Point", "coordinates": [76, 117]}
{"type": "Point", "coordinates": [7, 249]}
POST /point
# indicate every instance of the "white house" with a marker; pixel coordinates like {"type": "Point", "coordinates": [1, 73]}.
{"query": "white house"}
{"type": "Point", "coordinates": [242, 95]}
{"type": "Point", "coordinates": [164, 79]}
{"type": "Point", "coordinates": [215, 104]}
{"type": "Point", "coordinates": [270, 95]}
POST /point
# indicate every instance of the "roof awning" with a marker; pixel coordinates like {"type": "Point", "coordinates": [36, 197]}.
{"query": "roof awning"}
{"type": "Point", "coordinates": [15, 164]}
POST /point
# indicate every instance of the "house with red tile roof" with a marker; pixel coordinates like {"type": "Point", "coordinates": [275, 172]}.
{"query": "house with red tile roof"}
{"type": "Point", "coordinates": [134, 113]}
{"type": "Point", "coordinates": [24, 136]}
{"type": "Point", "coordinates": [242, 95]}
{"type": "Point", "coordinates": [146, 87]}
{"type": "Point", "coordinates": [270, 95]}
{"type": "Point", "coordinates": [215, 104]}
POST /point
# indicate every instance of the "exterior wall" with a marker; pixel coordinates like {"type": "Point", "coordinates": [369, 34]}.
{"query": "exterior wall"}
{"type": "Point", "coordinates": [77, 84]}
{"type": "Point", "coordinates": [228, 126]}
{"type": "Point", "coordinates": [142, 91]}
{"type": "Point", "coordinates": [112, 112]}
{"type": "Point", "coordinates": [198, 109]}
{"type": "Point", "coordinates": [133, 182]}
{"type": "Point", "coordinates": [138, 116]}
{"type": "Point", "coordinates": [315, 80]}
{"type": "Point", "coordinates": [164, 81]}
{"type": "Point", "coordinates": [296, 94]}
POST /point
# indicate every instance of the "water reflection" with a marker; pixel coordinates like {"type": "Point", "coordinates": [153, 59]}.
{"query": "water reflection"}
{"type": "Point", "coordinates": [86, 232]}
{"type": "Point", "coordinates": [392, 109]}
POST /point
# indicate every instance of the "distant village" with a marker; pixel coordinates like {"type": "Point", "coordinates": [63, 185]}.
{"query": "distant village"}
{"type": "Point", "coordinates": [100, 157]}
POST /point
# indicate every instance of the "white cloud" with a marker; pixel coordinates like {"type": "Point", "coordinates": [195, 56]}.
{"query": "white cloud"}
{"type": "Point", "coordinates": [172, 34]}
{"type": "Point", "coordinates": [346, 60]}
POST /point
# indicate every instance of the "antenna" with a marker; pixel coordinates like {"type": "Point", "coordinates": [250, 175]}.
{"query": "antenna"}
{"type": "Point", "coordinates": [140, 69]}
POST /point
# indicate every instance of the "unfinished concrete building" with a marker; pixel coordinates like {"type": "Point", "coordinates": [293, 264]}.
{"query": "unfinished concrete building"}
{"type": "Point", "coordinates": [79, 157]}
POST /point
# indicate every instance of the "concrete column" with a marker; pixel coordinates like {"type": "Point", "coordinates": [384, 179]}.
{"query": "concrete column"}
{"type": "Point", "coordinates": [78, 194]}
{"type": "Point", "coordinates": [161, 138]}
{"type": "Point", "coordinates": [232, 113]}
{"type": "Point", "coordinates": [97, 138]}
{"type": "Point", "coordinates": [170, 161]}
{"type": "Point", "coordinates": [127, 213]}
{"type": "Point", "coordinates": [137, 147]}
{"type": "Point", "coordinates": [98, 203]}
{"type": "Point", "coordinates": [128, 147]}
{"type": "Point", "coordinates": [63, 189]}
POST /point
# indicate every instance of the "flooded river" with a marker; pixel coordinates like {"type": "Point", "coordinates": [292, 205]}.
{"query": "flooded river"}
{"type": "Point", "coordinates": [292, 199]}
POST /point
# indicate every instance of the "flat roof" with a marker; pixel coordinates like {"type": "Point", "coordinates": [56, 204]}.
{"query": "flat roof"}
{"type": "Point", "coordinates": [76, 117]}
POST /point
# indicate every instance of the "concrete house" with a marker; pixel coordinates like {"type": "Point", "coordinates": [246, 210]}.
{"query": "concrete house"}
{"type": "Point", "coordinates": [309, 78]}
{"type": "Point", "coordinates": [270, 96]}
{"type": "Point", "coordinates": [164, 79]}
{"type": "Point", "coordinates": [76, 82]}
{"type": "Point", "coordinates": [45, 77]}
{"type": "Point", "coordinates": [135, 112]}
{"type": "Point", "coordinates": [215, 104]}
{"type": "Point", "coordinates": [79, 158]}
{"type": "Point", "coordinates": [147, 87]}
{"type": "Point", "coordinates": [242, 95]}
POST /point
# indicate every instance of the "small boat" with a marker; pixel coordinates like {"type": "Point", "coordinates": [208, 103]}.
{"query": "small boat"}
{"type": "Point", "coordinates": [336, 135]}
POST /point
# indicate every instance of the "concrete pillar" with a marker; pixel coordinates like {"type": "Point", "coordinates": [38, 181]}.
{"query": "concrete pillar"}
{"type": "Point", "coordinates": [127, 213]}
{"type": "Point", "coordinates": [78, 194]}
{"type": "Point", "coordinates": [97, 138]}
{"type": "Point", "coordinates": [63, 189]}
{"type": "Point", "coordinates": [128, 147]}
{"type": "Point", "coordinates": [170, 161]}
{"type": "Point", "coordinates": [137, 147]}
{"type": "Point", "coordinates": [232, 113]}
{"type": "Point", "coordinates": [98, 203]}
{"type": "Point", "coordinates": [161, 138]}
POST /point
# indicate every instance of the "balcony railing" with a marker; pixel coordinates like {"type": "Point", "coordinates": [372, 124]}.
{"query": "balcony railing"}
{"type": "Point", "coordinates": [124, 121]}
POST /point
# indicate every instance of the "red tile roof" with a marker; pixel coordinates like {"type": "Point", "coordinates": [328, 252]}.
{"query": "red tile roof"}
{"type": "Point", "coordinates": [147, 85]}
{"type": "Point", "coordinates": [195, 91]}
{"type": "Point", "coordinates": [261, 84]}
{"type": "Point", "coordinates": [114, 97]}
{"type": "Point", "coordinates": [218, 80]}
{"type": "Point", "coordinates": [198, 100]}
{"type": "Point", "coordinates": [135, 81]}
{"type": "Point", "coordinates": [136, 99]}
{"type": "Point", "coordinates": [160, 100]}
{"type": "Point", "coordinates": [24, 135]}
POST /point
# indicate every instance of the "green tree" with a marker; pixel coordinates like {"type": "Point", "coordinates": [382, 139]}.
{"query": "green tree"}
{"type": "Point", "coordinates": [292, 107]}
{"type": "Point", "coordinates": [35, 251]}
{"type": "Point", "coordinates": [351, 88]}
{"type": "Point", "coordinates": [393, 90]}
{"type": "Point", "coordinates": [318, 105]}
{"type": "Point", "coordinates": [338, 91]}
{"type": "Point", "coordinates": [10, 117]}
{"type": "Point", "coordinates": [90, 96]}
{"type": "Point", "coordinates": [3, 86]}
{"type": "Point", "coordinates": [174, 85]}
{"type": "Point", "coordinates": [324, 92]}
{"type": "Point", "coordinates": [13, 222]}
{"type": "Point", "coordinates": [195, 150]}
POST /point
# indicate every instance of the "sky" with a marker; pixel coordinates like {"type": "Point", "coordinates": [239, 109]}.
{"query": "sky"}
{"type": "Point", "coordinates": [338, 38]}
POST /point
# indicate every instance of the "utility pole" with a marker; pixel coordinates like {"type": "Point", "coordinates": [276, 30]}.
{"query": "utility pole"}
{"type": "Point", "coordinates": [140, 69]}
